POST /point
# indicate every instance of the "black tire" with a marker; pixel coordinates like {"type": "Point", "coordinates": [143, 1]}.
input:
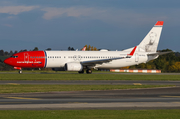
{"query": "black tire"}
{"type": "Point", "coordinates": [20, 71]}
{"type": "Point", "coordinates": [88, 71]}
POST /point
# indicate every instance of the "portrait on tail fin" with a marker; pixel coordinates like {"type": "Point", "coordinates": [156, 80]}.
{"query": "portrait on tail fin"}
{"type": "Point", "coordinates": [152, 45]}
{"type": "Point", "coordinates": [151, 40]}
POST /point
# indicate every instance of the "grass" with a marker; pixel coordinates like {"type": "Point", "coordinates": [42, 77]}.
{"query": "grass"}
{"type": "Point", "coordinates": [76, 76]}
{"type": "Point", "coordinates": [90, 114]}
{"type": "Point", "coordinates": [51, 88]}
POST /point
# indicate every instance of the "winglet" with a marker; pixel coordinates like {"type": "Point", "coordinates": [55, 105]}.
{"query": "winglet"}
{"type": "Point", "coordinates": [159, 23]}
{"type": "Point", "coordinates": [132, 52]}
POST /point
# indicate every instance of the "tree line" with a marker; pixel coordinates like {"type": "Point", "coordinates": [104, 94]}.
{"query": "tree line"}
{"type": "Point", "coordinates": [166, 63]}
{"type": "Point", "coordinates": [88, 48]}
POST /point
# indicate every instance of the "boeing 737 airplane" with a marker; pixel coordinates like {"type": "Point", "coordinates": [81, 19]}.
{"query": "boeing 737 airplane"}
{"type": "Point", "coordinates": [81, 60]}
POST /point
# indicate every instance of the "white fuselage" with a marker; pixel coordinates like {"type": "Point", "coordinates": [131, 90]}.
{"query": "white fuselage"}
{"type": "Point", "coordinates": [57, 59]}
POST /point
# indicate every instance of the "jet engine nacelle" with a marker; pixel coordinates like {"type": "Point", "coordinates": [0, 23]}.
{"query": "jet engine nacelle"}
{"type": "Point", "coordinates": [58, 69]}
{"type": "Point", "coordinates": [73, 67]}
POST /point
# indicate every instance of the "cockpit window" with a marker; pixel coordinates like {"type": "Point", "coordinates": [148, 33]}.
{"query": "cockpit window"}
{"type": "Point", "coordinates": [14, 56]}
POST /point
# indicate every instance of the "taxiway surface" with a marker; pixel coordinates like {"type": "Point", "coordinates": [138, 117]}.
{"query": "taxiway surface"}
{"type": "Point", "coordinates": [156, 98]}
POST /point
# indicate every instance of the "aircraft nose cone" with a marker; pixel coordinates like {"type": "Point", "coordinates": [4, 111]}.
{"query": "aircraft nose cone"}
{"type": "Point", "coordinates": [7, 61]}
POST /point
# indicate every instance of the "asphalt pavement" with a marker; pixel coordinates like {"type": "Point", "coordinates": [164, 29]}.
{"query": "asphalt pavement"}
{"type": "Point", "coordinates": [156, 98]}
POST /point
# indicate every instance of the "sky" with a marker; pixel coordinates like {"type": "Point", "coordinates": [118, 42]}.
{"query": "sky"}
{"type": "Point", "coordinates": [109, 24]}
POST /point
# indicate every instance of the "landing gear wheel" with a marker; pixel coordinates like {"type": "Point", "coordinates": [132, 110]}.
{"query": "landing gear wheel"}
{"type": "Point", "coordinates": [81, 72]}
{"type": "Point", "coordinates": [20, 71]}
{"type": "Point", "coordinates": [88, 71]}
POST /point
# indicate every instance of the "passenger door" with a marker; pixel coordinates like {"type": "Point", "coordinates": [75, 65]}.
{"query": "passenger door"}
{"type": "Point", "coordinates": [136, 57]}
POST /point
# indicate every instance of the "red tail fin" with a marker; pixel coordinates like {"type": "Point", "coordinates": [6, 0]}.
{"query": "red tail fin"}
{"type": "Point", "coordinates": [84, 49]}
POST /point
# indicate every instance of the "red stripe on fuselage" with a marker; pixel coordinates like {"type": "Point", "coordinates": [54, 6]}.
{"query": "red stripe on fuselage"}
{"type": "Point", "coordinates": [28, 59]}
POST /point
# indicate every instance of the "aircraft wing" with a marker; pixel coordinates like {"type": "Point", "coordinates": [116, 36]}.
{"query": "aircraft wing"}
{"type": "Point", "coordinates": [159, 53]}
{"type": "Point", "coordinates": [101, 61]}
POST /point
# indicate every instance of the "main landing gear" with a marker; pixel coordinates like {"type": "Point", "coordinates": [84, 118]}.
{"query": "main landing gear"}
{"type": "Point", "coordinates": [88, 71]}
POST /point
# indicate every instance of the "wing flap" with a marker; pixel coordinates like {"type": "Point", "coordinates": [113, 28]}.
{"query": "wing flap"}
{"type": "Point", "coordinates": [101, 61]}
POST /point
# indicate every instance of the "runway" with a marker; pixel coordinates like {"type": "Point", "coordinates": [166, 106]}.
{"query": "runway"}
{"type": "Point", "coordinates": [156, 98]}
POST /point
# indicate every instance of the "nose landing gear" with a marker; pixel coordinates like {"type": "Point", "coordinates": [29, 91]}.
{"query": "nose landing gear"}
{"type": "Point", "coordinates": [20, 71]}
{"type": "Point", "coordinates": [19, 68]}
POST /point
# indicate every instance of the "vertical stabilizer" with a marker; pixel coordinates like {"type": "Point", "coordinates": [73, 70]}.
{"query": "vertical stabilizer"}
{"type": "Point", "coordinates": [84, 49]}
{"type": "Point", "coordinates": [150, 42]}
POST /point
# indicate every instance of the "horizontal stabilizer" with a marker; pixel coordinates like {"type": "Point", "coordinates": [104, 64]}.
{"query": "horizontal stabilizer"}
{"type": "Point", "coordinates": [159, 53]}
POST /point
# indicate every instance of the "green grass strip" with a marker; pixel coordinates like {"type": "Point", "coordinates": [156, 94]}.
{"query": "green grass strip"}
{"type": "Point", "coordinates": [77, 76]}
{"type": "Point", "coordinates": [50, 88]}
{"type": "Point", "coordinates": [90, 114]}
